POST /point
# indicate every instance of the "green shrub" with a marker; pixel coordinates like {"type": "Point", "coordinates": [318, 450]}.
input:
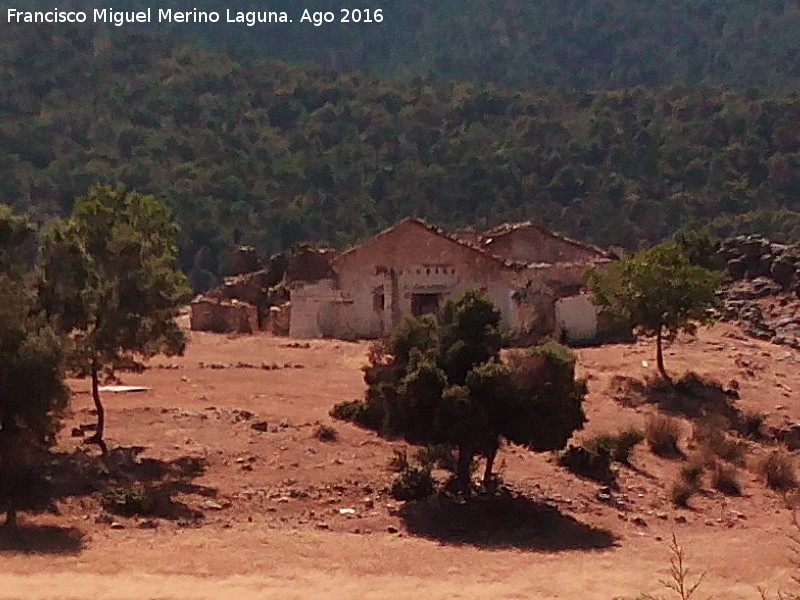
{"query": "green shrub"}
{"type": "Point", "coordinates": [439, 456]}
{"type": "Point", "coordinates": [360, 412]}
{"type": "Point", "coordinates": [618, 446]}
{"type": "Point", "coordinates": [128, 501]}
{"type": "Point", "coordinates": [325, 433]}
{"type": "Point", "coordinates": [593, 463]}
{"type": "Point", "coordinates": [347, 411]}
{"type": "Point", "coordinates": [662, 434]}
{"type": "Point", "coordinates": [777, 470]}
{"type": "Point", "coordinates": [626, 441]}
{"type": "Point", "coordinates": [414, 483]}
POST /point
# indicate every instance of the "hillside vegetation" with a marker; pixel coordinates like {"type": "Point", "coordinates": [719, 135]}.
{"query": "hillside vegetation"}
{"type": "Point", "coordinates": [261, 152]}
{"type": "Point", "coordinates": [583, 44]}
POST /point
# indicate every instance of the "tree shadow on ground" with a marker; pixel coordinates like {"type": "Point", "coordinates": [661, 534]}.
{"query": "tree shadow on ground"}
{"type": "Point", "coordinates": [80, 474]}
{"type": "Point", "coordinates": [692, 396]}
{"type": "Point", "coordinates": [41, 539]}
{"type": "Point", "coordinates": [502, 521]}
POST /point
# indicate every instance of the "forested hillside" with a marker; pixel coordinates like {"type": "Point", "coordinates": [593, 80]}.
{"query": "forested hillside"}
{"type": "Point", "coordinates": [262, 152]}
{"type": "Point", "coordinates": [582, 44]}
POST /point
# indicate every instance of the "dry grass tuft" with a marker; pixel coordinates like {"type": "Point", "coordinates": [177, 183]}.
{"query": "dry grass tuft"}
{"type": "Point", "coordinates": [777, 469]}
{"type": "Point", "coordinates": [691, 474]}
{"type": "Point", "coordinates": [725, 478]}
{"type": "Point", "coordinates": [681, 492]}
{"type": "Point", "coordinates": [662, 434]}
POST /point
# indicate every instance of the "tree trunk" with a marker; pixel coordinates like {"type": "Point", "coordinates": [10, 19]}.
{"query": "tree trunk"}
{"type": "Point", "coordinates": [660, 356]}
{"type": "Point", "coordinates": [97, 438]}
{"type": "Point", "coordinates": [11, 517]}
{"type": "Point", "coordinates": [487, 474]}
{"type": "Point", "coordinates": [463, 472]}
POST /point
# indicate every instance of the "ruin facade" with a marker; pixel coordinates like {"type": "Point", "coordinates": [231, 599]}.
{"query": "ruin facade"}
{"type": "Point", "coordinates": [535, 277]}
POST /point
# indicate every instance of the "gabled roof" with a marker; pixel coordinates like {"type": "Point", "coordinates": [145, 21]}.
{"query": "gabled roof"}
{"type": "Point", "coordinates": [437, 231]}
{"type": "Point", "coordinates": [482, 246]}
{"type": "Point", "coordinates": [509, 228]}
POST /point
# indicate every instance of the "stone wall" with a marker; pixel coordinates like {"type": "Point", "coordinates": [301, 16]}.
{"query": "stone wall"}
{"type": "Point", "coordinates": [223, 316]}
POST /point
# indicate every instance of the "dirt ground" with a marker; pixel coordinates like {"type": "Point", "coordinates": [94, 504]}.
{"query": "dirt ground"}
{"type": "Point", "coordinates": [279, 514]}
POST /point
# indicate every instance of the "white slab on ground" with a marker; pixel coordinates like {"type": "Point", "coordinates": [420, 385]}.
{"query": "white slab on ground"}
{"type": "Point", "coordinates": [124, 388]}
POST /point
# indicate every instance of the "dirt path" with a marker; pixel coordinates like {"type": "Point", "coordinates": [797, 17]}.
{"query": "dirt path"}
{"type": "Point", "coordinates": [241, 565]}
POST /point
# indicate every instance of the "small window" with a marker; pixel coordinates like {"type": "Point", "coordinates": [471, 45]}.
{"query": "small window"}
{"type": "Point", "coordinates": [378, 301]}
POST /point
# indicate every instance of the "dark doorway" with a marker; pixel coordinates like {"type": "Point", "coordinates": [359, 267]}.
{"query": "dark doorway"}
{"type": "Point", "coordinates": [424, 304]}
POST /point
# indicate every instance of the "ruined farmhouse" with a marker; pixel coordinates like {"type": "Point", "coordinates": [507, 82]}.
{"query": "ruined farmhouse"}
{"type": "Point", "coordinates": [533, 275]}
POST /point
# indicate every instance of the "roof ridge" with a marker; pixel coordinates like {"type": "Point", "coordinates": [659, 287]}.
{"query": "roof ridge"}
{"type": "Point", "coordinates": [510, 227]}
{"type": "Point", "coordinates": [453, 238]}
{"type": "Point", "coordinates": [511, 264]}
{"type": "Point", "coordinates": [443, 233]}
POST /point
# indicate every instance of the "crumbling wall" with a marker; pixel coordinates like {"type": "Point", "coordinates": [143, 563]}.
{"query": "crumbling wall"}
{"type": "Point", "coordinates": [222, 316]}
{"type": "Point", "coordinates": [243, 259]}
{"type": "Point", "coordinates": [309, 264]}
{"type": "Point", "coordinates": [279, 319]}
{"type": "Point", "coordinates": [310, 316]}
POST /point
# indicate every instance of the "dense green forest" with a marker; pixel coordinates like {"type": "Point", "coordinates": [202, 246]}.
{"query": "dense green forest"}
{"type": "Point", "coordinates": [580, 44]}
{"type": "Point", "coordinates": [254, 151]}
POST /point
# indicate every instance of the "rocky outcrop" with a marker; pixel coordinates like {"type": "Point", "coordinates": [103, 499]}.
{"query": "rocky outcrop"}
{"type": "Point", "coordinates": [766, 277]}
{"type": "Point", "coordinates": [753, 256]}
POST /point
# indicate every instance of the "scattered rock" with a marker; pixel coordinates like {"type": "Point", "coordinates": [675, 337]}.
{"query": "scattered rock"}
{"type": "Point", "coordinates": [680, 519]}
{"type": "Point", "coordinates": [260, 426]}
{"type": "Point", "coordinates": [77, 432]}
{"type": "Point", "coordinates": [392, 529]}
{"type": "Point", "coordinates": [789, 435]}
{"type": "Point", "coordinates": [117, 525]}
{"type": "Point", "coordinates": [211, 505]}
{"type": "Point", "coordinates": [639, 522]}
{"type": "Point", "coordinates": [238, 415]}
{"type": "Point", "coordinates": [147, 524]}
{"type": "Point", "coordinates": [323, 526]}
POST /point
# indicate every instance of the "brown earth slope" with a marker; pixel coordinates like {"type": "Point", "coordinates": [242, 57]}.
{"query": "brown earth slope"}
{"type": "Point", "coordinates": [264, 518]}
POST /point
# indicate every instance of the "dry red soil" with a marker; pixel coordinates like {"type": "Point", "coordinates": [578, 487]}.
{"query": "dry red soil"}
{"type": "Point", "coordinates": [272, 524]}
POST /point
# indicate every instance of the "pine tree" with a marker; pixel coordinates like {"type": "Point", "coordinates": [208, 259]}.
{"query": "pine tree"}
{"type": "Point", "coordinates": [109, 278]}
